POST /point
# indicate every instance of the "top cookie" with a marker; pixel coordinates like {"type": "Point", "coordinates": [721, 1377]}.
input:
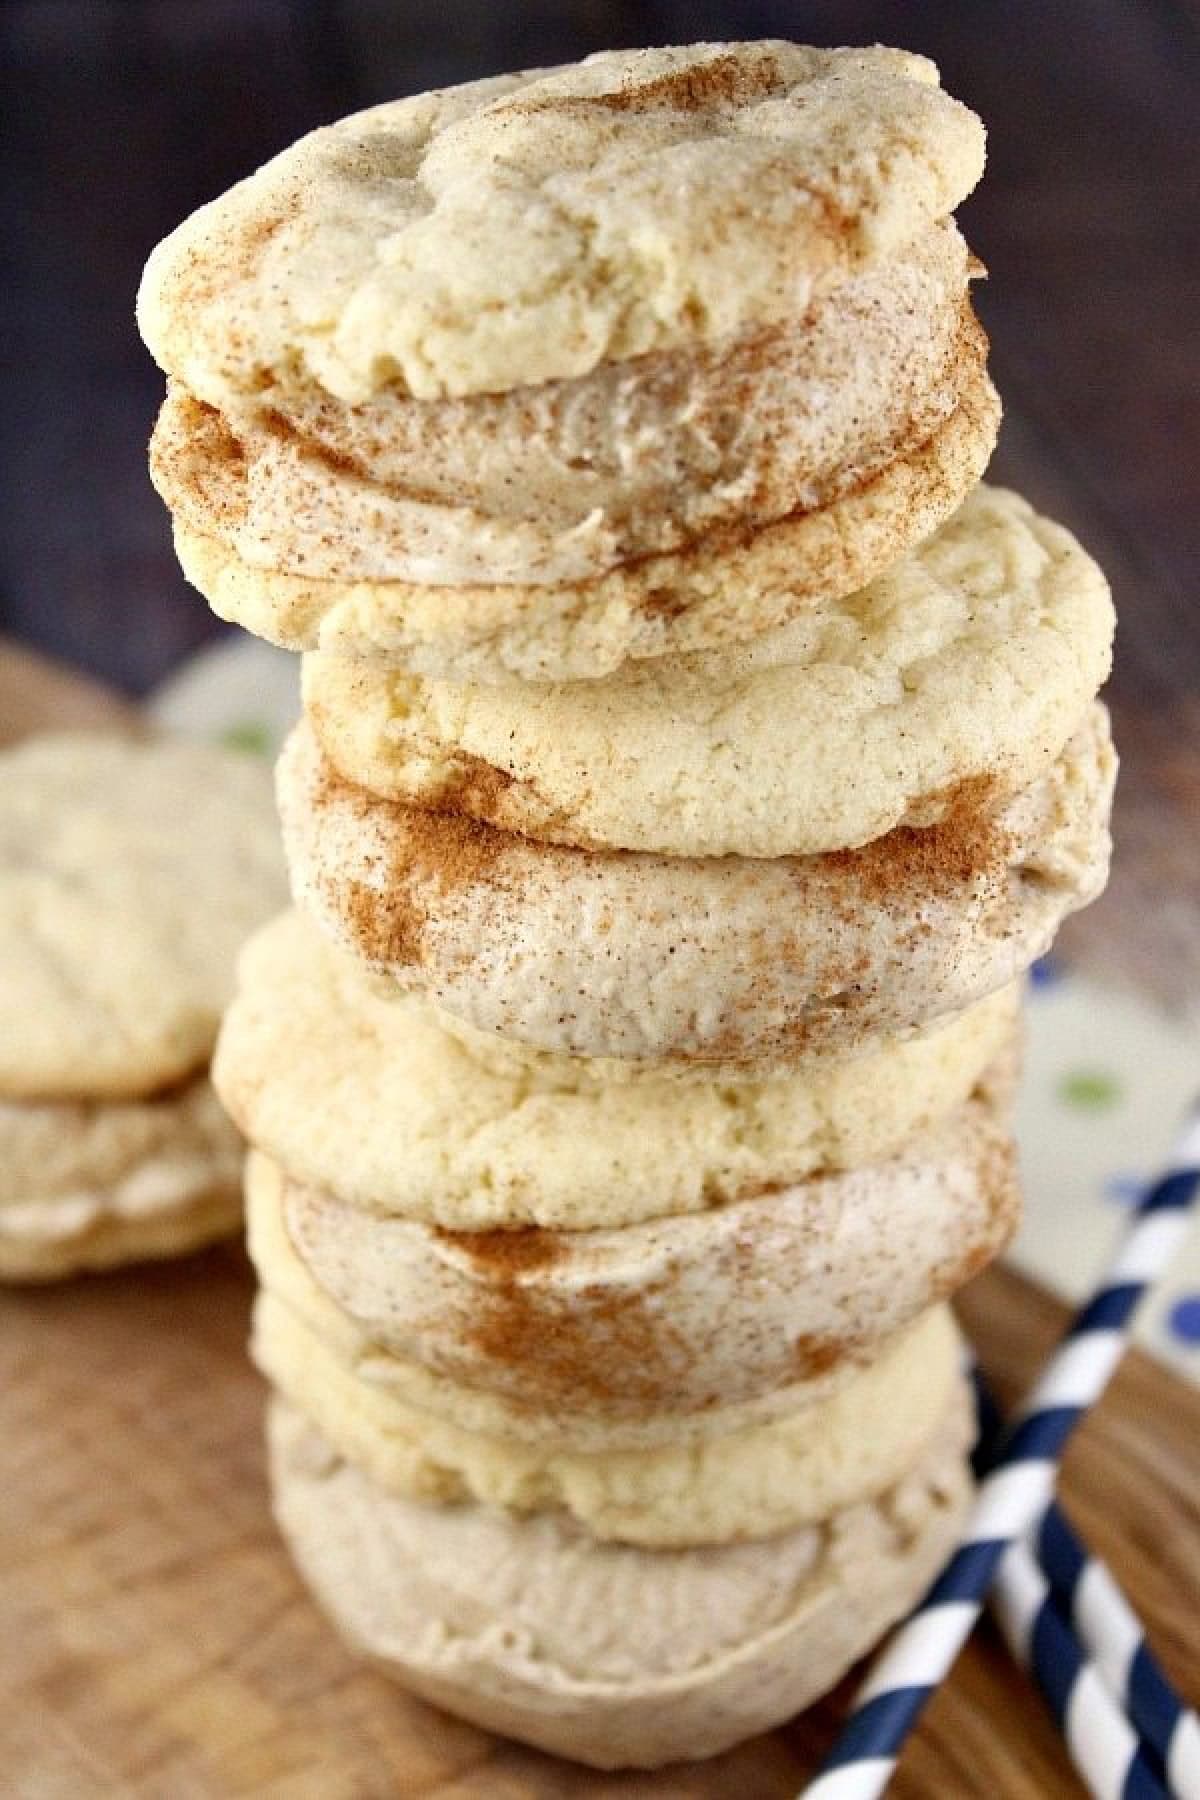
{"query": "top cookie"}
{"type": "Point", "coordinates": [529, 227]}
{"type": "Point", "coordinates": [130, 872]}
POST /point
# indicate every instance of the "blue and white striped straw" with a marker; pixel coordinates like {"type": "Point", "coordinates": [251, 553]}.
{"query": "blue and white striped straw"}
{"type": "Point", "coordinates": [1011, 1497]}
{"type": "Point", "coordinates": [1100, 1740]}
{"type": "Point", "coordinates": [1066, 1618]}
{"type": "Point", "coordinates": [1095, 1632]}
{"type": "Point", "coordinates": [1111, 1633]}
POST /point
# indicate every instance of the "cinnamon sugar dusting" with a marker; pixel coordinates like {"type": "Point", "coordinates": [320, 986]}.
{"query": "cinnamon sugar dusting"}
{"type": "Point", "coordinates": [513, 804]}
{"type": "Point", "coordinates": [388, 927]}
{"type": "Point", "coordinates": [814, 1355]}
{"type": "Point", "coordinates": [605, 1342]}
{"type": "Point", "coordinates": [598, 1343]}
{"type": "Point", "coordinates": [389, 920]}
{"type": "Point", "coordinates": [731, 80]}
{"type": "Point", "coordinates": [199, 464]}
{"type": "Point", "coordinates": [341, 462]}
{"type": "Point", "coordinates": [504, 1253]}
{"type": "Point", "coordinates": [968, 841]}
{"type": "Point", "coordinates": [388, 917]}
{"type": "Point", "coordinates": [473, 786]}
{"type": "Point", "coordinates": [202, 276]}
{"type": "Point", "coordinates": [448, 848]}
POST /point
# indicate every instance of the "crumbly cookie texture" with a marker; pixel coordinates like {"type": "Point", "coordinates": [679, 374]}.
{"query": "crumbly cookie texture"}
{"type": "Point", "coordinates": [752, 1481]}
{"type": "Point", "coordinates": [733, 1302]}
{"type": "Point", "coordinates": [718, 959]}
{"type": "Point", "coordinates": [970, 661]}
{"type": "Point", "coordinates": [602, 1652]}
{"type": "Point", "coordinates": [380, 1100]}
{"type": "Point", "coordinates": [130, 873]}
{"type": "Point", "coordinates": [509, 616]}
{"type": "Point", "coordinates": [527, 228]}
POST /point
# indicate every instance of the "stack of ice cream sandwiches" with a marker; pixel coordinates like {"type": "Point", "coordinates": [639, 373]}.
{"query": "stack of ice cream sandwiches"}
{"type": "Point", "coordinates": [695, 756]}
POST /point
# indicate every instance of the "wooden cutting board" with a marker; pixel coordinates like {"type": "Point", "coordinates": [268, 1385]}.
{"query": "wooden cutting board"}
{"type": "Point", "coordinates": [154, 1639]}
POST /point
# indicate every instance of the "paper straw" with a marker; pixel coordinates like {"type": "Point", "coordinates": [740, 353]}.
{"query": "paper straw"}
{"type": "Point", "coordinates": [1112, 1635]}
{"type": "Point", "coordinates": [1101, 1740]}
{"type": "Point", "coordinates": [1100, 1621]}
{"type": "Point", "coordinates": [1011, 1496]}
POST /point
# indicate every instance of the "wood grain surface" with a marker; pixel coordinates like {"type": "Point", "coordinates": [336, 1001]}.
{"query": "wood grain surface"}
{"type": "Point", "coordinates": [155, 1640]}
{"type": "Point", "coordinates": [37, 694]}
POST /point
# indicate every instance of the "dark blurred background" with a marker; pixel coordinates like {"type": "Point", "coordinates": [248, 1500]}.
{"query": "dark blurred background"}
{"type": "Point", "coordinates": [119, 116]}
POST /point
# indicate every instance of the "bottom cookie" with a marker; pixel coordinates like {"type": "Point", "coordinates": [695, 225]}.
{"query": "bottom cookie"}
{"type": "Point", "coordinates": [614, 1656]}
